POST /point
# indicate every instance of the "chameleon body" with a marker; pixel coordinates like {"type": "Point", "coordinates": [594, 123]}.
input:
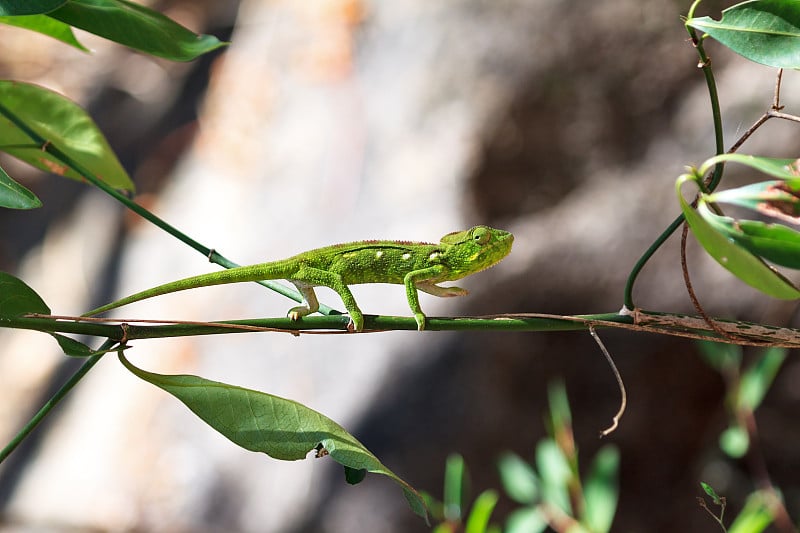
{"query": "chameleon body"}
{"type": "Point", "coordinates": [416, 265]}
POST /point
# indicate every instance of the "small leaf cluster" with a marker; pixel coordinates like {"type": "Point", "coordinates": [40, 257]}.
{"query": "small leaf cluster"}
{"type": "Point", "coordinates": [550, 492]}
{"type": "Point", "coordinates": [766, 32]}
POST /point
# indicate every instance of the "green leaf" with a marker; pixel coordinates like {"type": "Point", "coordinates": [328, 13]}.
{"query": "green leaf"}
{"type": "Point", "coordinates": [478, 520]}
{"type": "Point", "coordinates": [741, 263]}
{"type": "Point", "coordinates": [17, 299]}
{"type": "Point", "coordinates": [526, 520]}
{"type": "Point", "coordinates": [61, 122]}
{"type": "Point", "coordinates": [454, 487]}
{"type": "Point", "coordinates": [73, 348]}
{"type": "Point", "coordinates": [763, 31]}
{"type": "Point", "coordinates": [15, 196]}
{"type": "Point", "coordinates": [711, 492]}
{"type": "Point", "coordinates": [281, 428]}
{"type": "Point", "coordinates": [756, 515]}
{"type": "Point", "coordinates": [555, 473]}
{"type": "Point", "coordinates": [137, 27]}
{"type": "Point", "coordinates": [47, 26]}
{"type": "Point", "coordinates": [28, 7]}
{"type": "Point", "coordinates": [519, 479]}
{"type": "Point", "coordinates": [778, 168]}
{"type": "Point", "coordinates": [600, 490]}
{"type": "Point", "coordinates": [756, 380]}
{"type": "Point", "coordinates": [773, 242]}
{"type": "Point", "coordinates": [734, 441]}
{"type": "Point", "coordinates": [776, 198]}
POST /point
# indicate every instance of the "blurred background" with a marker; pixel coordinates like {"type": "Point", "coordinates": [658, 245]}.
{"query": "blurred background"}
{"type": "Point", "coordinates": [565, 122]}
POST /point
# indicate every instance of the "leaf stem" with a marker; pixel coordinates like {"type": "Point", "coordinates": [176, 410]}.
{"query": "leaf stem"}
{"type": "Point", "coordinates": [53, 401]}
{"type": "Point", "coordinates": [735, 332]}
{"type": "Point", "coordinates": [713, 181]}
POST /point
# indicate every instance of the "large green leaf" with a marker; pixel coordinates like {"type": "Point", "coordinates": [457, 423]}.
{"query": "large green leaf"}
{"type": "Point", "coordinates": [28, 7]}
{"type": "Point", "coordinates": [62, 123]}
{"type": "Point", "coordinates": [281, 428]}
{"type": "Point", "coordinates": [15, 196]}
{"type": "Point", "coordinates": [47, 26]}
{"type": "Point", "coordinates": [764, 31]}
{"type": "Point", "coordinates": [774, 242]}
{"type": "Point", "coordinates": [136, 26]}
{"type": "Point", "coordinates": [17, 298]}
{"type": "Point", "coordinates": [741, 263]}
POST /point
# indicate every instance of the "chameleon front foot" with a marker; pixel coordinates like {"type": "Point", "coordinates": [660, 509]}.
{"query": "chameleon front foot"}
{"type": "Point", "coordinates": [296, 313]}
{"type": "Point", "coordinates": [420, 318]}
{"type": "Point", "coordinates": [356, 323]}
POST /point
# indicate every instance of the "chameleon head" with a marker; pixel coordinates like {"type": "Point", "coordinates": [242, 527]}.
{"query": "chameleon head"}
{"type": "Point", "coordinates": [475, 249]}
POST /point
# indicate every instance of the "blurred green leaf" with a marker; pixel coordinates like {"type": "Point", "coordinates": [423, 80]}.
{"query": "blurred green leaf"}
{"type": "Point", "coordinates": [720, 356]}
{"type": "Point", "coordinates": [755, 517]}
{"type": "Point", "coordinates": [46, 26]}
{"type": "Point", "coordinates": [454, 487]}
{"type": "Point", "coordinates": [61, 122]}
{"type": "Point", "coordinates": [481, 513]}
{"type": "Point", "coordinates": [559, 405]}
{"type": "Point", "coordinates": [763, 31]}
{"type": "Point", "coordinates": [519, 479]}
{"type": "Point", "coordinates": [16, 298]}
{"type": "Point", "coordinates": [137, 27]}
{"type": "Point", "coordinates": [526, 520]}
{"type": "Point", "coordinates": [600, 490]}
{"type": "Point", "coordinates": [734, 441]}
{"type": "Point", "coordinates": [28, 7]}
{"type": "Point", "coordinates": [555, 473]}
{"type": "Point", "coordinates": [281, 428]}
{"type": "Point", "coordinates": [15, 196]}
{"type": "Point", "coordinates": [743, 264]}
{"type": "Point", "coordinates": [434, 506]}
{"type": "Point", "coordinates": [756, 380]}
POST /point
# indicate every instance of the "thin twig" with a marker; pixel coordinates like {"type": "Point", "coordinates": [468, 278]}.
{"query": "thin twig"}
{"type": "Point", "coordinates": [693, 297]}
{"type": "Point", "coordinates": [784, 116]}
{"type": "Point", "coordinates": [623, 394]}
{"type": "Point", "coordinates": [776, 100]}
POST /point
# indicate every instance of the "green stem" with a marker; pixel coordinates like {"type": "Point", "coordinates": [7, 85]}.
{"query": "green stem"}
{"type": "Point", "coordinates": [53, 402]}
{"type": "Point", "coordinates": [654, 322]}
{"type": "Point", "coordinates": [211, 254]}
{"type": "Point", "coordinates": [716, 176]}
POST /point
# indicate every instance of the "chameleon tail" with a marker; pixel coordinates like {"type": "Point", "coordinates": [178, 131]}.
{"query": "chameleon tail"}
{"type": "Point", "coordinates": [263, 271]}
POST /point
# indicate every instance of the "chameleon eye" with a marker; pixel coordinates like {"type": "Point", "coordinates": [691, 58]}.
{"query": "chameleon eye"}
{"type": "Point", "coordinates": [481, 235]}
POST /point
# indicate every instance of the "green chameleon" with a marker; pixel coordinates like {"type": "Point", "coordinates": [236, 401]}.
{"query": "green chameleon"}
{"type": "Point", "coordinates": [416, 265]}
